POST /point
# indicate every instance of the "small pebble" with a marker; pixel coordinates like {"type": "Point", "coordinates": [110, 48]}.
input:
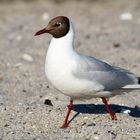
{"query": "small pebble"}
{"type": "Point", "coordinates": [24, 90]}
{"type": "Point", "coordinates": [87, 36]}
{"type": "Point", "coordinates": [34, 126]}
{"type": "Point", "coordinates": [83, 124]}
{"type": "Point", "coordinates": [48, 102]}
{"type": "Point", "coordinates": [6, 125]}
{"type": "Point", "coordinates": [27, 57]}
{"type": "Point", "coordinates": [96, 138]}
{"type": "Point", "coordinates": [85, 118]}
{"type": "Point", "coordinates": [1, 78]}
{"type": "Point", "coordinates": [135, 65]}
{"type": "Point", "coordinates": [25, 74]}
{"type": "Point", "coordinates": [11, 132]}
{"type": "Point", "coordinates": [92, 124]}
{"type": "Point", "coordinates": [126, 16]}
{"type": "Point", "coordinates": [45, 16]}
{"type": "Point", "coordinates": [96, 132]}
{"type": "Point", "coordinates": [19, 103]}
{"type": "Point", "coordinates": [101, 101]}
{"type": "Point", "coordinates": [137, 107]}
{"type": "Point", "coordinates": [19, 37]}
{"type": "Point", "coordinates": [125, 111]}
{"type": "Point", "coordinates": [30, 112]}
{"type": "Point", "coordinates": [27, 108]}
{"type": "Point", "coordinates": [116, 45]}
{"type": "Point", "coordinates": [17, 65]}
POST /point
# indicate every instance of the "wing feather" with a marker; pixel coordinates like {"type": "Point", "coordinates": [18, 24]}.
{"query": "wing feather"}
{"type": "Point", "coordinates": [110, 77]}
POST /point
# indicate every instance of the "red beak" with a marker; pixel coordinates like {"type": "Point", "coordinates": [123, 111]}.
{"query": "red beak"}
{"type": "Point", "coordinates": [42, 32]}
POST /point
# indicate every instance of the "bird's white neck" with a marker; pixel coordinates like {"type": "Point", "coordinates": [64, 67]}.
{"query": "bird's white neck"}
{"type": "Point", "coordinates": [63, 44]}
{"type": "Point", "coordinates": [59, 56]}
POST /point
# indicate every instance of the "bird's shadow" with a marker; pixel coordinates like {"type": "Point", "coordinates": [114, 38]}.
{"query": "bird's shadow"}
{"type": "Point", "coordinates": [101, 109]}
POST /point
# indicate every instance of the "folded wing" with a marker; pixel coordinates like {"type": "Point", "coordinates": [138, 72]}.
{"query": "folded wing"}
{"type": "Point", "coordinates": [110, 77]}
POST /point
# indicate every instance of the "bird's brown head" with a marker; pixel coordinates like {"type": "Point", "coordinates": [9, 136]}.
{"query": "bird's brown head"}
{"type": "Point", "coordinates": [57, 27]}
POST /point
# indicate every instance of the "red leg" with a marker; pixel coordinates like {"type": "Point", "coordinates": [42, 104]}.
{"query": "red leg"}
{"type": "Point", "coordinates": [113, 116]}
{"type": "Point", "coordinates": [65, 123]}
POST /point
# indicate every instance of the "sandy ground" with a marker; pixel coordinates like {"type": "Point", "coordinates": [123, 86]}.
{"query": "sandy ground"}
{"type": "Point", "coordinates": [24, 88]}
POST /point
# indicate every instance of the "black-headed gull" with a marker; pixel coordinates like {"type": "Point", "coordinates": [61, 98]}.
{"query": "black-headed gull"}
{"type": "Point", "coordinates": [79, 76]}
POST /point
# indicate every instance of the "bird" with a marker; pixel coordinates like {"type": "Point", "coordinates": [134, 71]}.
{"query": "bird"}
{"type": "Point", "coordinates": [79, 76]}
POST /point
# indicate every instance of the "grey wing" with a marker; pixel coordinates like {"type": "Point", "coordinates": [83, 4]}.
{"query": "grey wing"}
{"type": "Point", "coordinates": [110, 77]}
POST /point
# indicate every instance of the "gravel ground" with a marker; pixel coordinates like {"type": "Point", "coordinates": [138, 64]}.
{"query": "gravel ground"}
{"type": "Point", "coordinates": [106, 29]}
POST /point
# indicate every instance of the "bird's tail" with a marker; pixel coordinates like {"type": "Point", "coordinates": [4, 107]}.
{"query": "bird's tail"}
{"type": "Point", "coordinates": [134, 86]}
{"type": "Point", "coordinates": [139, 80]}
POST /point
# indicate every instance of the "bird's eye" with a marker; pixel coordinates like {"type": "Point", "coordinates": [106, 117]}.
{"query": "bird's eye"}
{"type": "Point", "coordinates": [57, 24]}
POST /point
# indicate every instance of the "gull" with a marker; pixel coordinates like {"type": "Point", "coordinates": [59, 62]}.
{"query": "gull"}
{"type": "Point", "coordinates": [79, 76]}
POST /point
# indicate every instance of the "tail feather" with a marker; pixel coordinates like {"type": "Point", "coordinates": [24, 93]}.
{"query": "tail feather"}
{"type": "Point", "coordinates": [138, 80]}
{"type": "Point", "coordinates": [133, 86]}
